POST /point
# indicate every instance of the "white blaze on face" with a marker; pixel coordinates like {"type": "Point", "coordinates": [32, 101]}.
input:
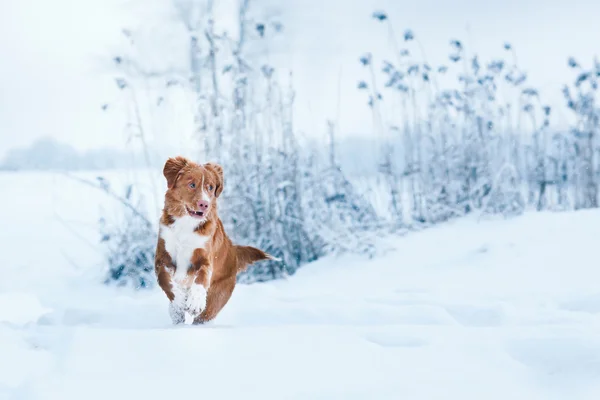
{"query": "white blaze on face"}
{"type": "Point", "coordinates": [204, 193]}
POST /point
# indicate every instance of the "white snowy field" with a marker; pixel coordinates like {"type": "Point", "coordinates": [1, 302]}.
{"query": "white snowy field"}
{"type": "Point", "coordinates": [495, 309]}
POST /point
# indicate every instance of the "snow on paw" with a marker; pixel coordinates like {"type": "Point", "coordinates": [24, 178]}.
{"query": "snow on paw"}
{"type": "Point", "coordinates": [177, 314]}
{"type": "Point", "coordinates": [170, 270]}
{"type": "Point", "coordinates": [196, 300]}
{"type": "Point", "coordinates": [179, 295]}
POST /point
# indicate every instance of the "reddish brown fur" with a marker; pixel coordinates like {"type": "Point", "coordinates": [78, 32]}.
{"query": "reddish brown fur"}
{"type": "Point", "coordinates": [220, 255]}
{"type": "Point", "coordinates": [162, 261]}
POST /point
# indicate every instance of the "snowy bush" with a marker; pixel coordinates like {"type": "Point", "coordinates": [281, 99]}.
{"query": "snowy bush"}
{"type": "Point", "coordinates": [280, 194]}
{"type": "Point", "coordinates": [128, 239]}
{"type": "Point", "coordinates": [465, 148]}
{"type": "Point", "coordinates": [130, 248]}
{"type": "Point", "coordinates": [450, 145]}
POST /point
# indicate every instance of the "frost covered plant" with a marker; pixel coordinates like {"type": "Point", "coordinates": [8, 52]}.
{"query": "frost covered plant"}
{"type": "Point", "coordinates": [463, 148]}
{"type": "Point", "coordinates": [450, 144]}
{"type": "Point", "coordinates": [280, 194]}
{"type": "Point", "coordinates": [456, 141]}
{"type": "Point", "coordinates": [582, 100]}
{"type": "Point", "coordinates": [129, 241]}
{"type": "Point", "coordinates": [129, 250]}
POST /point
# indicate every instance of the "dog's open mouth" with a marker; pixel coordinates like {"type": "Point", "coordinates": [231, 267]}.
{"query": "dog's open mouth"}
{"type": "Point", "coordinates": [196, 214]}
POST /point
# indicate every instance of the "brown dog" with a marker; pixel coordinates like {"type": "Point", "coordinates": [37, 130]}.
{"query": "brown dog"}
{"type": "Point", "coordinates": [196, 263]}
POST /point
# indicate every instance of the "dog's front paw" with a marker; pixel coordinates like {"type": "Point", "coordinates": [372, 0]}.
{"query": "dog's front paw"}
{"type": "Point", "coordinates": [179, 295]}
{"type": "Point", "coordinates": [196, 300]}
{"type": "Point", "coordinates": [176, 313]}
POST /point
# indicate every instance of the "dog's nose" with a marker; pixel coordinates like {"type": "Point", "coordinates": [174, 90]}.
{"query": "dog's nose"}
{"type": "Point", "coordinates": [203, 204]}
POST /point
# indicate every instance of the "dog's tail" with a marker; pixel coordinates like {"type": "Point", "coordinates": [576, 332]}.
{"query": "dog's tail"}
{"type": "Point", "coordinates": [247, 255]}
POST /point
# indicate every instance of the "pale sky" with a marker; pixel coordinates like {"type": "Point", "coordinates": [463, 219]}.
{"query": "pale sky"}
{"type": "Point", "coordinates": [54, 73]}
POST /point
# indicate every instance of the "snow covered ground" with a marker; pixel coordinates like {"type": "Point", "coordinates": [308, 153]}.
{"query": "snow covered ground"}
{"type": "Point", "coordinates": [496, 309]}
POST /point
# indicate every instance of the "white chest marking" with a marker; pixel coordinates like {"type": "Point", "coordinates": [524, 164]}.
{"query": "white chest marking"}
{"type": "Point", "coordinates": [181, 241]}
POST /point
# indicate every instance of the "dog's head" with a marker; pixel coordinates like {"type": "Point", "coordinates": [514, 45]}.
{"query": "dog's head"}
{"type": "Point", "coordinates": [192, 188]}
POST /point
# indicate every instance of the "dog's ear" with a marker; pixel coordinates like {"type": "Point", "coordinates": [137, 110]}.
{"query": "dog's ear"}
{"type": "Point", "coordinates": [218, 171]}
{"type": "Point", "coordinates": [172, 169]}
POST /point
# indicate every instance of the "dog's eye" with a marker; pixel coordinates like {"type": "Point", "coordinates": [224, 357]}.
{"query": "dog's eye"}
{"type": "Point", "coordinates": [192, 185]}
{"type": "Point", "coordinates": [210, 188]}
